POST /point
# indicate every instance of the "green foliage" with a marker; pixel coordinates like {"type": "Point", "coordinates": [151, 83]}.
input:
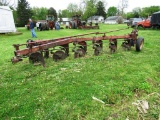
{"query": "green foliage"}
{"type": "Point", "coordinates": [39, 13]}
{"type": "Point", "coordinates": [129, 15]}
{"type": "Point", "coordinates": [148, 11]}
{"type": "Point", "coordinates": [52, 11]}
{"type": "Point", "coordinates": [66, 13]}
{"type": "Point", "coordinates": [23, 13]}
{"type": "Point", "coordinates": [60, 15]}
{"type": "Point", "coordinates": [112, 11]}
{"type": "Point", "coordinates": [72, 8]}
{"type": "Point", "coordinates": [144, 12]}
{"type": "Point", "coordinates": [136, 12]}
{"type": "Point", "coordinates": [14, 14]}
{"type": "Point", "coordinates": [90, 9]}
{"type": "Point", "coordinates": [64, 90]}
{"type": "Point", "coordinates": [100, 9]}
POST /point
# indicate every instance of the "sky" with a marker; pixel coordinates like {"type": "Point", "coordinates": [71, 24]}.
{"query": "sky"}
{"type": "Point", "coordinates": [62, 4]}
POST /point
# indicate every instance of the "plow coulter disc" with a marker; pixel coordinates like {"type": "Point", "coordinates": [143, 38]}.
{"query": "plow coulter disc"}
{"type": "Point", "coordinates": [113, 48]}
{"type": "Point", "coordinates": [126, 46]}
{"type": "Point", "coordinates": [59, 55]}
{"type": "Point", "coordinates": [46, 53]}
{"type": "Point", "coordinates": [80, 52]}
{"type": "Point", "coordinates": [97, 50]}
{"type": "Point", "coordinates": [36, 58]}
{"type": "Point", "coordinates": [97, 46]}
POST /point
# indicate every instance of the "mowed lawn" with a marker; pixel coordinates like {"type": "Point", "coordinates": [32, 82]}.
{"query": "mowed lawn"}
{"type": "Point", "coordinates": [66, 90]}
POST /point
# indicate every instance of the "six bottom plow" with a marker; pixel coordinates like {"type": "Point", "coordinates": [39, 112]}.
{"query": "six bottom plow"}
{"type": "Point", "coordinates": [37, 50]}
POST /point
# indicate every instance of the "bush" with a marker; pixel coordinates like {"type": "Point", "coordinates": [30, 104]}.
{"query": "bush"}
{"type": "Point", "coordinates": [120, 20]}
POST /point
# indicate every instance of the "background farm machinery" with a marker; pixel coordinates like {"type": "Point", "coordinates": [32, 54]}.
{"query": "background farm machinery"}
{"type": "Point", "coordinates": [59, 47]}
{"type": "Point", "coordinates": [77, 23]}
{"type": "Point", "coordinates": [42, 25]}
{"type": "Point", "coordinates": [46, 25]}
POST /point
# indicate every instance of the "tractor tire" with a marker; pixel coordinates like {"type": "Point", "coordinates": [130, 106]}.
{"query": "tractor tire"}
{"type": "Point", "coordinates": [139, 44]}
{"type": "Point", "coordinates": [72, 25]}
{"type": "Point", "coordinates": [75, 25]}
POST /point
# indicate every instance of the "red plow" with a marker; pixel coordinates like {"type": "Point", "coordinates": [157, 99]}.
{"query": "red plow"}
{"type": "Point", "coordinates": [59, 47]}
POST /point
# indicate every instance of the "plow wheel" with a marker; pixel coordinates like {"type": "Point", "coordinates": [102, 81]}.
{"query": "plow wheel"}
{"type": "Point", "coordinates": [59, 55]}
{"type": "Point", "coordinates": [80, 52]}
{"type": "Point", "coordinates": [139, 44]}
{"type": "Point", "coordinates": [36, 58]}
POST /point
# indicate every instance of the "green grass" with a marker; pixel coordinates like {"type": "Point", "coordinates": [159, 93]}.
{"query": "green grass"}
{"type": "Point", "coordinates": [64, 90]}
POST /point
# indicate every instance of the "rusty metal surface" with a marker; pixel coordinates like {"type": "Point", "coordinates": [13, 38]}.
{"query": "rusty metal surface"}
{"type": "Point", "coordinates": [45, 45]}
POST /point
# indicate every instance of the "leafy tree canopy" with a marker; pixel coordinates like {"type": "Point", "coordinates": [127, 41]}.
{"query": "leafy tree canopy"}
{"type": "Point", "coordinates": [147, 11]}
{"type": "Point", "coordinates": [52, 11]}
{"type": "Point", "coordinates": [23, 13]}
{"type": "Point", "coordinates": [112, 11]}
{"type": "Point", "coordinates": [65, 13]}
{"type": "Point", "coordinates": [101, 9]}
{"type": "Point", "coordinates": [39, 13]}
{"type": "Point", "coordinates": [90, 9]}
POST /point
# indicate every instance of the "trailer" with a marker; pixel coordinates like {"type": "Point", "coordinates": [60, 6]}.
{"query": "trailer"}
{"type": "Point", "coordinates": [37, 50]}
{"type": "Point", "coordinates": [155, 19]}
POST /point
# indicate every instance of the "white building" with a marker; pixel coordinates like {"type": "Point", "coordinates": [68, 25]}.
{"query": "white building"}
{"type": "Point", "coordinates": [6, 20]}
{"type": "Point", "coordinates": [95, 19]}
{"type": "Point", "coordinates": [113, 19]}
{"type": "Point", "coordinates": [64, 20]}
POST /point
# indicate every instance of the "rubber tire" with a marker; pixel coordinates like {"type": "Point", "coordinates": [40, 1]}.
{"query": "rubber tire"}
{"type": "Point", "coordinates": [139, 44]}
{"type": "Point", "coordinates": [75, 25]}
{"type": "Point", "coordinates": [72, 25]}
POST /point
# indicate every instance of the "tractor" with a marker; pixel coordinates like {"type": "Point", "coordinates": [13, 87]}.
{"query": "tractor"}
{"type": "Point", "coordinates": [77, 23]}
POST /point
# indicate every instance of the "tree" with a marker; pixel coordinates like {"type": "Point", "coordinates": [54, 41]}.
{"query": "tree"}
{"type": "Point", "coordinates": [39, 13]}
{"type": "Point", "coordinates": [101, 9]}
{"type": "Point", "coordinates": [136, 12]}
{"type": "Point", "coordinates": [52, 11]}
{"type": "Point", "coordinates": [122, 5]}
{"type": "Point", "coordinates": [60, 15]}
{"type": "Point", "coordinates": [147, 11]}
{"type": "Point", "coordinates": [14, 15]}
{"type": "Point", "coordinates": [129, 15]}
{"type": "Point", "coordinates": [23, 13]}
{"type": "Point", "coordinates": [72, 8]}
{"type": "Point", "coordinates": [112, 11]}
{"type": "Point", "coordinates": [90, 9]}
{"type": "Point", "coordinates": [65, 13]}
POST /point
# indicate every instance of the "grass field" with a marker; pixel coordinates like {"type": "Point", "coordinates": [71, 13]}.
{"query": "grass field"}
{"type": "Point", "coordinates": [64, 90]}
